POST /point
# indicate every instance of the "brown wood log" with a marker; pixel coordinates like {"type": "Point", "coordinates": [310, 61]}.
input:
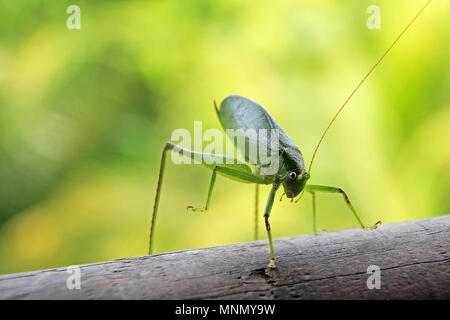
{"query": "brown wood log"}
{"type": "Point", "coordinates": [413, 258]}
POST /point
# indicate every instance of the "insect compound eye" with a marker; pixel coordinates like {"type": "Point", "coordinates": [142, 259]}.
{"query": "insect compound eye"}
{"type": "Point", "coordinates": [292, 175]}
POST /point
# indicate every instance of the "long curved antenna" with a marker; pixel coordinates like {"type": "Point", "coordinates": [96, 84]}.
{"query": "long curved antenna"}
{"type": "Point", "coordinates": [362, 81]}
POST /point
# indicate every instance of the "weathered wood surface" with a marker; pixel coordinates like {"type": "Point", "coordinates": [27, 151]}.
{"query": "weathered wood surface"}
{"type": "Point", "coordinates": [413, 257]}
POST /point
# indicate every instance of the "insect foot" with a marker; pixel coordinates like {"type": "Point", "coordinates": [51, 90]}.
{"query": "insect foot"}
{"type": "Point", "coordinates": [196, 209]}
{"type": "Point", "coordinates": [319, 232]}
{"type": "Point", "coordinates": [271, 264]}
{"type": "Point", "coordinates": [375, 226]}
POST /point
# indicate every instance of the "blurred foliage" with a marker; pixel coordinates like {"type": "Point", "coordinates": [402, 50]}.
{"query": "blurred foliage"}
{"type": "Point", "coordinates": [85, 113]}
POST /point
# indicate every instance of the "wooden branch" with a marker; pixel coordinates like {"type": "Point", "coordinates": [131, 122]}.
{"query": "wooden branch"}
{"type": "Point", "coordinates": [413, 257]}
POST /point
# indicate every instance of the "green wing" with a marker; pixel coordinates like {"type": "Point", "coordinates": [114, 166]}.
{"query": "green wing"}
{"type": "Point", "coordinates": [238, 112]}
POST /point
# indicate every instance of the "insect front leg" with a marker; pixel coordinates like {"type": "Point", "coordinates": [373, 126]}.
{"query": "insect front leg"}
{"type": "Point", "coordinates": [313, 195]}
{"type": "Point", "coordinates": [312, 188]}
{"type": "Point", "coordinates": [266, 219]}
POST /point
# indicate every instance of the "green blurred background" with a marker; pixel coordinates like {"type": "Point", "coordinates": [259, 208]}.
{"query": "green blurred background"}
{"type": "Point", "coordinates": [84, 115]}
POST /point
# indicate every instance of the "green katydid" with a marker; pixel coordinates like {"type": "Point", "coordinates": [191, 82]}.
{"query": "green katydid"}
{"type": "Point", "coordinates": [238, 112]}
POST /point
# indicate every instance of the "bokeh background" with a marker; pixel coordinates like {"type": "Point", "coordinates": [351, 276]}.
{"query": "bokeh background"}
{"type": "Point", "coordinates": [84, 115]}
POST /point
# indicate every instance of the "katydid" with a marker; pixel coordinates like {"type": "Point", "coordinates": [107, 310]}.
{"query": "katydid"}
{"type": "Point", "coordinates": [238, 112]}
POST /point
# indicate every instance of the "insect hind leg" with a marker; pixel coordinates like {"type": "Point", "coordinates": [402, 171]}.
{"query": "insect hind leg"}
{"type": "Point", "coordinates": [168, 146]}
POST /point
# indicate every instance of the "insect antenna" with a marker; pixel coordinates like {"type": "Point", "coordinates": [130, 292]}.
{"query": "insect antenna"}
{"type": "Point", "coordinates": [362, 81]}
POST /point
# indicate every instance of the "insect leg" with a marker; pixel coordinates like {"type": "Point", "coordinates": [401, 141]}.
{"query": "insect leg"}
{"type": "Point", "coordinates": [211, 187]}
{"type": "Point", "coordinates": [332, 189]}
{"type": "Point", "coordinates": [313, 195]}
{"type": "Point", "coordinates": [168, 146]}
{"type": "Point", "coordinates": [266, 219]}
{"type": "Point", "coordinates": [228, 172]}
{"type": "Point", "coordinates": [256, 210]}
{"type": "Point", "coordinates": [257, 170]}
{"type": "Point", "coordinates": [235, 171]}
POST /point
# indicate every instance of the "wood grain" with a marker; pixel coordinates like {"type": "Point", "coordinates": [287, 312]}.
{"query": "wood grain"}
{"type": "Point", "coordinates": [413, 257]}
